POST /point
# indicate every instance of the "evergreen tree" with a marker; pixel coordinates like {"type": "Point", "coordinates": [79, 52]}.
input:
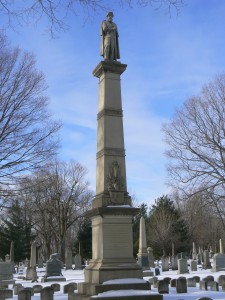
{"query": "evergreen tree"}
{"type": "Point", "coordinates": [83, 242]}
{"type": "Point", "coordinates": [166, 226]}
{"type": "Point", "coordinates": [16, 228]}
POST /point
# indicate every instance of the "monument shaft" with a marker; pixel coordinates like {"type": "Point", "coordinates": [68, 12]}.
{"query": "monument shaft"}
{"type": "Point", "coordinates": [112, 213]}
{"type": "Point", "coordinates": [111, 186]}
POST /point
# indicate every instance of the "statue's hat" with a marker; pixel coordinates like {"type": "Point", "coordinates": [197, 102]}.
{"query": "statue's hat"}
{"type": "Point", "coordinates": [110, 13]}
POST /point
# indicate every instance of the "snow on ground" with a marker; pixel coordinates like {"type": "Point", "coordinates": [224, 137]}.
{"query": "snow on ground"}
{"type": "Point", "coordinates": [78, 276]}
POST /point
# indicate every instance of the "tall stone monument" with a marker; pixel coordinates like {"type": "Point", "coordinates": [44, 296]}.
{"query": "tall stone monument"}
{"type": "Point", "coordinates": [142, 252]}
{"type": "Point", "coordinates": [112, 212]}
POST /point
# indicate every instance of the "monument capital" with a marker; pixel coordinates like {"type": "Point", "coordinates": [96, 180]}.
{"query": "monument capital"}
{"type": "Point", "coordinates": [109, 66]}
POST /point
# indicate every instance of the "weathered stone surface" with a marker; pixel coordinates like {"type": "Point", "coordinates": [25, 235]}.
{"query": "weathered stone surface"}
{"type": "Point", "coordinates": [221, 279]}
{"type": "Point", "coordinates": [56, 287]}
{"type": "Point", "coordinates": [193, 265]}
{"type": "Point", "coordinates": [17, 288]}
{"type": "Point", "coordinates": [197, 278]}
{"type": "Point", "coordinates": [70, 287]}
{"type": "Point", "coordinates": [181, 285]}
{"type": "Point", "coordinates": [6, 293]}
{"type": "Point", "coordinates": [53, 266]}
{"type": "Point", "coordinates": [150, 258]}
{"type": "Point", "coordinates": [37, 288]}
{"type": "Point", "coordinates": [173, 282]}
{"type": "Point", "coordinates": [78, 262]}
{"type": "Point", "coordinates": [167, 279]}
{"type": "Point", "coordinates": [182, 266]}
{"type": "Point", "coordinates": [203, 285]}
{"type": "Point", "coordinates": [218, 262]}
{"type": "Point", "coordinates": [31, 273]}
{"type": "Point", "coordinates": [214, 286]}
{"type": "Point", "coordinates": [206, 261]}
{"type": "Point", "coordinates": [165, 263]}
{"type": "Point", "coordinates": [47, 293]}
{"type": "Point", "coordinates": [191, 282]}
{"type": "Point", "coordinates": [163, 287]}
{"type": "Point", "coordinates": [24, 295]}
{"type": "Point", "coordinates": [6, 270]}
{"type": "Point", "coordinates": [174, 262]}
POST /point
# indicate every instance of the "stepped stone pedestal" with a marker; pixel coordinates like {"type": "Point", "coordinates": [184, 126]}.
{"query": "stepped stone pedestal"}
{"type": "Point", "coordinates": [112, 212]}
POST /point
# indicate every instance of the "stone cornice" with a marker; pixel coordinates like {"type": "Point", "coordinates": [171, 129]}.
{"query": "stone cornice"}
{"type": "Point", "coordinates": [111, 152]}
{"type": "Point", "coordinates": [110, 112]}
{"type": "Point", "coordinates": [113, 210]}
{"type": "Point", "coordinates": [109, 66]}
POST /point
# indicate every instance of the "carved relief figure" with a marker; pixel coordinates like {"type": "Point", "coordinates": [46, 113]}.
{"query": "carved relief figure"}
{"type": "Point", "coordinates": [114, 179]}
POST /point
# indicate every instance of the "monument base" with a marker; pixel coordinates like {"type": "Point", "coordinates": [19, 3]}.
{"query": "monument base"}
{"type": "Point", "coordinates": [53, 278]}
{"type": "Point", "coordinates": [124, 289]}
{"type": "Point", "coordinates": [143, 261]}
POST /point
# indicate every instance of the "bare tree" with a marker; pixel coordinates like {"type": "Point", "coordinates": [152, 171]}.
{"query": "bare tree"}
{"type": "Point", "coordinates": [27, 133]}
{"type": "Point", "coordinates": [201, 217]}
{"type": "Point", "coordinates": [196, 141]}
{"type": "Point", "coordinates": [56, 11]}
{"type": "Point", "coordinates": [59, 195]}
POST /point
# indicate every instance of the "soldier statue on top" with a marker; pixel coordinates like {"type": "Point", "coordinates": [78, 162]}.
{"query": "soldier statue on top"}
{"type": "Point", "coordinates": [109, 39]}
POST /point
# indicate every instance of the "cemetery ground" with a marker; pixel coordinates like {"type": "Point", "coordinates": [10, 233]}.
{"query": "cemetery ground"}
{"type": "Point", "coordinates": [193, 293]}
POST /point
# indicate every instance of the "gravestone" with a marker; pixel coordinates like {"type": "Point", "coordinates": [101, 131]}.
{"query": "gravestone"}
{"type": "Point", "coordinates": [40, 262]}
{"type": "Point", "coordinates": [193, 265]}
{"type": "Point", "coordinates": [194, 252]}
{"type": "Point", "coordinates": [191, 282]}
{"type": "Point", "coordinates": [174, 262]}
{"type": "Point", "coordinates": [142, 255]}
{"type": "Point", "coordinates": [181, 285]}
{"type": "Point", "coordinates": [53, 270]}
{"type": "Point", "coordinates": [47, 293]}
{"type": "Point", "coordinates": [206, 261]}
{"type": "Point", "coordinates": [68, 258]}
{"type": "Point", "coordinates": [182, 266]}
{"type": "Point", "coordinates": [56, 287]}
{"type": "Point", "coordinates": [5, 294]}
{"type": "Point", "coordinates": [163, 287]}
{"type": "Point", "coordinates": [154, 281]}
{"type": "Point", "coordinates": [221, 279]}
{"type": "Point", "coordinates": [17, 287]}
{"type": "Point", "coordinates": [203, 285]}
{"type": "Point", "coordinates": [78, 262]}
{"type": "Point", "coordinates": [24, 294]}
{"type": "Point", "coordinates": [6, 274]}
{"type": "Point", "coordinates": [214, 286]}
{"type": "Point", "coordinates": [26, 263]}
{"type": "Point", "coordinates": [70, 287]}
{"type": "Point", "coordinates": [165, 263]}
{"type": "Point", "coordinates": [7, 258]}
{"type": "Point", "coordinates": [150, 258]}
{"type": "Point", "coordinates": [37, 288]}
{"type": "Point", "coordinates": [200, 256]}
{"type": "Point", "coordinates": [31, 273]}
{"type": "Point", "coordinates": [218, 262]}
{"type": "Point", "coordinates": [173, 282]}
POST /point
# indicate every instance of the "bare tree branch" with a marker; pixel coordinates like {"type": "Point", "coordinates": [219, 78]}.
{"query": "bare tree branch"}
{"type": "Point", "coordinates": [55, 12]}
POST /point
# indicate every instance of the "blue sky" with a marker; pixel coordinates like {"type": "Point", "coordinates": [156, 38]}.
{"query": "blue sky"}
{"type": "Point", "coordinates": [168, 58]}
